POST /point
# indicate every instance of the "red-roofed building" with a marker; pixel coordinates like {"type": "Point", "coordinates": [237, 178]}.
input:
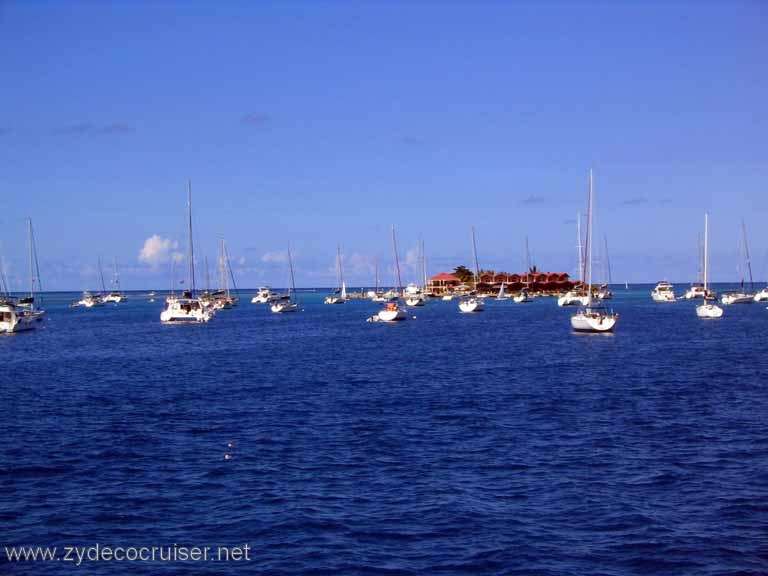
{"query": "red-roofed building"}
{"type": "Point", "coordinates": [443, 282]}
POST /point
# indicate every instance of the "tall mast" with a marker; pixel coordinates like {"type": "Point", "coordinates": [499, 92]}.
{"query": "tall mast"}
{"type": "Point", "coordinates": [116, 276]}
{"type": "Point", "coordinates": [191, 254]}
{"type": "Point", "coordinates": [338, 265]}
{"type": "Point", "coordinates": [290, 266]}
{"type": "Point", "coordinates": [223, 281]}
{"type": "Point", "coordinates": [527, 256]}
{"type": "Point", "coordinates": [608, 261]}
{"type": "Point", "coordinates": [580, 250]}
{"type": "Point", "coordinates": [706, 251]}
{"type": "Point", "coordinates": [474, 255]}
{"type": "Point", "coordinates": [229, 269]}
{"type": "Point", "coordinates": [101, 275]}
{"type": "Point", "coordinates": [31, 263]}
{"type": "Point", "coordinates": [397, 263]}
{"type": "Point", "coordinates": [746, 254]}
{"type": "Point", "coordinates": [207, 274]}
{"type": "Point", "coordinates": [589, 236]}
{"type": "Point", "coordinates": [423, 266]}
{"type": "Point", "coordinates": [377, 274]}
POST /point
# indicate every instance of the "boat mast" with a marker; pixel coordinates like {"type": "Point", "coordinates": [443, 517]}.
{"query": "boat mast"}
{"type": "Point", "coordinates": [101, 275]}
{"type": "Point", "coordinates": [397, 264]}
{"type": "Point", "coordinates": [474, 255]}
{"type": "Point", "coordinates": [746, 254]}
{"type": "Point", "coordinates": [377, 275]}
{"type": "Point", "coordinates": [116, 277]}
{"type": "Point", "coordinates": [229, 269]}
{"type": "Point", "coordinates": [191, 254]}
{"type": "Point", "coordinates": [223, 283]}
{"type": "Point", "coordinates": [580, 250]}
{"type": "Point", "coordinates": [423, 266]}
{"type": "Point", "coordinates": [589, 236]}
{"type": "Point", "coordinates": [290, 266]}
{"type": "Point", "coordinates": [339, 273]}
{"type": "Point", "coordinates": [527, 256]}
{"type": "Point", "coordinates": [31, 264]}
{"type": "Point", "coordinates": [207, 274]}
{"type": "Point", "coordinates": [706, 251]}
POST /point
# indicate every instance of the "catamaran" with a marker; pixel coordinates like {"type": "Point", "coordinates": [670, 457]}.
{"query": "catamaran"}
{"type": "Point", "coordinates": [591, 318]}
{"type": "Point", "coordinates": [340, 295]}
{"type": "Point", "coordinates": [287, 302]}
{"type": "Point", "coordinates": [188, 308]}
{"type": "Point", "coordinates": [740, 296]}
{"type": "Point", "coordinates": [472, 303]}
{"type": "Point", "coordinates": [707, 309]}
{"type": "Point", "coordinates": [393, 310]}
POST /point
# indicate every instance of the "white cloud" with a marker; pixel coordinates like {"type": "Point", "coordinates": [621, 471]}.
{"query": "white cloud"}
{"type": "Point", "coordinates": [157, 250]}
{"type": "Point", "coordinates": [276, 257]}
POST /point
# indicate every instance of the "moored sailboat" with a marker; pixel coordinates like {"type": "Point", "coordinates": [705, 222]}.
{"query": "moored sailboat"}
{"type": "Point", "coordinates": [707, 309]}
{"type": "Point", "coordinates": [188, 308]}
{"type": "Point", "coordinates": [287, 302]}
{"type": "Point", "coordinates": [472, 303]}
{"type": "Point", "coordinates": [340, 295]}
{"type": "Point", "coordinates": [394, 310]}
{"type": "Point", "coordinates": [591, 318]}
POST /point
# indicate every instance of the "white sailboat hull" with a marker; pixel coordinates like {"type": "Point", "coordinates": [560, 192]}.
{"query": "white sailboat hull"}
{"type": "Point", "coordinates": [522, 298]}
{"type": "Point", "coordinates": [471, 305]}
{"type": "Point", "coordinates": [392, 315]}
{"type": "Point", "coordinates": [283, 307]}
{"type": "Point", "coordinates": [709, 311]}
{"type": "Point", "coordinates": [663, 296]}
{"type": "Point", "coordinates": [737, 299]}
{"type": "Point", "coordinates": [447, 297]}
{"type": "Point", "coordinates": [13, 320]}
{"type": "Point", "coordinates": [414, 301]}
{"type": "Point", "coordinates": [181, 311]}
{"type": "Point", "coordinates": [591, 321]}
{"type": "Point", "coordinates": [762, 296]}
{"type": "Point", "coordinates": [571, 299]}
{"type": "Point", "coordinates": [334, 300]}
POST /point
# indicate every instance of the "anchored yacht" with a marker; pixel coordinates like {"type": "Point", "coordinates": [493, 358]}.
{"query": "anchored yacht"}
{"type": "Point", "coordinates": [664, 292]}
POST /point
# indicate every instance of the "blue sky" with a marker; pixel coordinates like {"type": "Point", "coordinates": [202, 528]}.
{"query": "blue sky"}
{"type": "Point", "coordinates": [324, 123]}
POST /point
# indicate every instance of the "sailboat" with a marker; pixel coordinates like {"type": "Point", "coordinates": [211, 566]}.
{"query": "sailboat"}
{"type": "Point", "coordinates": [393, 310]}
{"type": "Point", "coordinates": [188, 308]}
{"type": "Point", "coordinates": [591, 318]}
{"type": "Point", "coordinates": [604, 293]}
{"type": "Point", "coordinates": [414, 294]}
{"type": "Point", "coordinates": [30, 303]}
{"type": "Point", "coordinates": [222, 298]}
{"type": "Point", "coordinates": [22, 315]}
{"type": "Point", "coordinates": [696, 289]}
{"type": "Point", "coordinates": [742, 297]}
{"type": "Point", "coordinates": [340, 295]}
{"type": "Point", "coordinates": [115, 296]}
{"type": "Point", "coordinates": [378, 294]}
{"type": "Point", "coordinates": [501, 295]}
{"type": "Point", "coordinates": [472, 303]}
{"type": "Point", "coordinates": [90, 300]}
{"type": "Point", "coordinates": [287, 302]}
{"type": "Point", "coordinates": [523, 296]}
{"type": "Point", "coordinates": [572, 297]}
{"type": "Point", "coordinates": [707, 309]}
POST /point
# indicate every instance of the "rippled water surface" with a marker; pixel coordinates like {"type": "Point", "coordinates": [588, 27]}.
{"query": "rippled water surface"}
{"type": "Point", "coordinates": [496, 443]}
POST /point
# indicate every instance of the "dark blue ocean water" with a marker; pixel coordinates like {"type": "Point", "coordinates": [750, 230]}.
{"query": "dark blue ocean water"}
{"type": "Point", "coordinates": [496, 443]}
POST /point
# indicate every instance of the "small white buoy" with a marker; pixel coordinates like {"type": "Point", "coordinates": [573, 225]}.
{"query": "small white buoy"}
{"type": "Point", "coordinates": [227, 456]}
